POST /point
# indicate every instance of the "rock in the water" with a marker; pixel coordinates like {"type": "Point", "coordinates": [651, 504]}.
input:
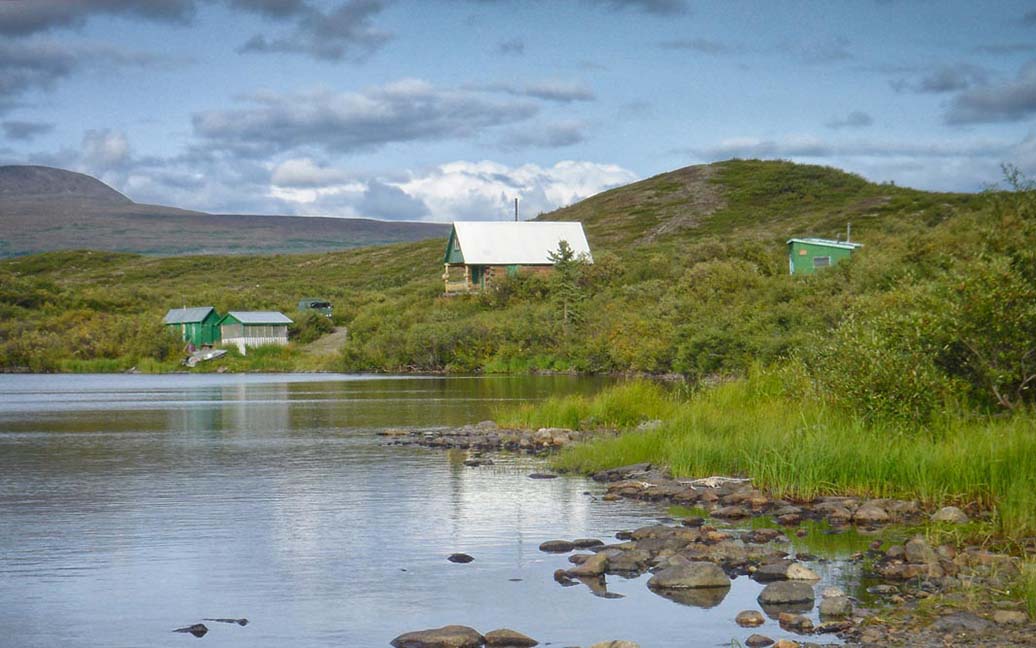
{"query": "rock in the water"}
{"type": "Point", "coordinates": [561, 576]}
{"type": "Point", "coordinates": [750, 619]}
{"type": "Point", "coordinates": [616, 644]}
{"type": "Point", "coordinates": [950, 514]}
{"type": "Point", "coordinates": [452, 636]}
{"type": "Point", "coordinates": [787, 592]}
{"type": "Point", "coordinates": [509, 638]}
{"type": "Point", "coordinates": [701, 597]}
{"type": "Point", "coordinates": [1009, 617]}
{"type": "Point", "coordinates": [543, 476]}
{"type": "Point", "coordinates": [961, 622]}
{"type": "Point", "coordinates": [731, 512]}
{"type": "Point", "coordinates": [586, 543]}
{"type": "Point", "coordinates": [198, 630]}
{"type": "Point", "coordinates": [459, 558]}
{"type": "Point", "coordinates": [871, 514]}
{"type": "Point", "coordinates": [693, 575]}
{"type": "Point", "coordinates": [595, 565]}
{"type": "Point", "coordinates": [798, 571]}
{"type": "Point", "coordinates": [760, 536]}
{"type": "Point", "coordinates": [240, 622]}
{"type": "Point", "coordinates": [836, 607]}
{"type": "Point", "coordinates": [917, 551]}
{"type": "Point", "coordinates": [557, 546]}
{"type": "Point", "coordinates": [758, 641]}
{"type": "Point", "coordinates": [786, 643]}
{"type": "Point", "coordinates": [784, 570]}
{"type": "Point", "coordinates": [795, 622]}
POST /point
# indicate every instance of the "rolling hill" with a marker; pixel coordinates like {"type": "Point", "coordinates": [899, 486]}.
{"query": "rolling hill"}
{"type": "Point", "coordinates": [45, 209]}
{"type": "Point", "coordinates": [690, 276]}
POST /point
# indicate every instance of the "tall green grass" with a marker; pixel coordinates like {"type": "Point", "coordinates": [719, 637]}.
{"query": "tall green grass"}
{"type": "Point", "coordinates": [1027, 583]}
{"type": "Point", "coordinates": [621, 406]}
{"type": "Point", "coordinates": [769, 426]}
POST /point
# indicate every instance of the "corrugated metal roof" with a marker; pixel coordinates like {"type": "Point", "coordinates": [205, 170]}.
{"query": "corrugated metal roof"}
{"type": "Point", "coordinates": [260, 317]}
{"type": "Point", "coordinates": [827, 242]}
{"type": "Point", "coordinates": [187, 315]}
{"type": "Point", "coordinates": [522, 243]}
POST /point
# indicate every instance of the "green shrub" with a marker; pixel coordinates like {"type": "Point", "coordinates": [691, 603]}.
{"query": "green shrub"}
{"type": "Point", "coordinates": [309, 327]}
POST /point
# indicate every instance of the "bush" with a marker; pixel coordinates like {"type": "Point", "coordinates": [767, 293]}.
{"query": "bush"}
{"type": "Point", "coordinates": [883, 367]}
{"type": "Point", "coordinates": [309, 327]}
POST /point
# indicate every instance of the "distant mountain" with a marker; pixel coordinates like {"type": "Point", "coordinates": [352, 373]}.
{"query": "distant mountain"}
{"type": "Point", "coordinates": [44, 209]}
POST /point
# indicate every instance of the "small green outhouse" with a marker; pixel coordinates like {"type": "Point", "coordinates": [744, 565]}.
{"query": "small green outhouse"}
{"type": "Point", "coordinates": [198, 325]}
{"type": "Point", "coordinates": [807, 255]}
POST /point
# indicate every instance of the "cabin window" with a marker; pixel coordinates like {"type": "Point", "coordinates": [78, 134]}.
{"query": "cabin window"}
{"type": "Point", "coordinates": [821, 261]}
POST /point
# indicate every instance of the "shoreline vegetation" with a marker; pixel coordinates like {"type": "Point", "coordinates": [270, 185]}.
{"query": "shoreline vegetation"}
{"type": "Point", "coordinates": [773, 428]}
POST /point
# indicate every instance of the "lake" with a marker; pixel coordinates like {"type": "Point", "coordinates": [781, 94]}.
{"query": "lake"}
{"type": "Point", "coordinates": [134, 505]}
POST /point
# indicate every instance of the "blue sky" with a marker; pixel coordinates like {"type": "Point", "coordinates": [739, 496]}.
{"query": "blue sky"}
{"type": "Point", "coordinates": [449, 109]}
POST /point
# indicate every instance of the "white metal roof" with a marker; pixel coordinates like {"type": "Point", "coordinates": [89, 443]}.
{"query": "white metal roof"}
{"type": "Point", "coordinates": [828, 242]}
{"type": "Point", "coordinates": [525, 243]}
{"type": "Point", "coordinates": [186, 315]}
{"type": "Point", "coordinates": [260, 317]}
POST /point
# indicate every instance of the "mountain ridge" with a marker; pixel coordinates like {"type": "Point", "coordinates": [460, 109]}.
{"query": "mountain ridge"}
{"type": "Point", "coordinates": [45, 209]}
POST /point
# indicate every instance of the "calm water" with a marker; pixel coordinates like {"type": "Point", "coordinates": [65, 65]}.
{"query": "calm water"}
{"type": "Point", "coordinates": [132, 505]}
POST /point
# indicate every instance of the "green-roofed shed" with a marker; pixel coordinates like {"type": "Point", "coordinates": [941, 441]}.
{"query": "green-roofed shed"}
{"type": "Point", "coordinates": [807, 255]}
{"type": "Point", "coordinates": [198, 325]}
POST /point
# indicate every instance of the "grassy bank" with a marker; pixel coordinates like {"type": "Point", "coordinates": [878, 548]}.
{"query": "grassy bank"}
{"type": "Point", "coordinates": [771, 427]}
{"type": "Point", "coordinates": [690, 276]}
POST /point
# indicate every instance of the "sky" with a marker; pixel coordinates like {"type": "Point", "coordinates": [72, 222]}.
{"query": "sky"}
{"type": "Point", "coordinates": [442, 110]}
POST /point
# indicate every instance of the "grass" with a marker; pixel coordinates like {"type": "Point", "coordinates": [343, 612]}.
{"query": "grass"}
{"type": "Point", "coordinates": [622, 406]}
{"type": "Point", "coordinates": [768, 427]}
{"type": "Point", "coordinates": [1027, 586]}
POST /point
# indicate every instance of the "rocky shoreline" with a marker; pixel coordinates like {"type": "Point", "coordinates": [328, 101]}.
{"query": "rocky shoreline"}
{"type": "Point", "coordinates": [925, 595]}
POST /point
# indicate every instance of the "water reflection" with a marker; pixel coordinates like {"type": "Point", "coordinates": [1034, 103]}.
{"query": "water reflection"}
{"type": "Point", "coordinates": [134, 505]}
{"type": "Point", "coordinates": [702, 597]}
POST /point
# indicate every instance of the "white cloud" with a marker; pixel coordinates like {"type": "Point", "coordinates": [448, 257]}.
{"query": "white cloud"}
{"type": "Point", "coordinates": [486, 190]}
{"type": "Point", "coordinates": [455, 191]}
{"type": "Point", "coordinates": [304, 172]}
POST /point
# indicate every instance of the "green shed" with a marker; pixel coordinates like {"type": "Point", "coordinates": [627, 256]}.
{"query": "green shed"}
{"type": "Point", "coordinates": [198, 325]}
{"type": "Point", "coordinates": [807, 255]}
{"type": "Point", "coordinates": [254, 328]}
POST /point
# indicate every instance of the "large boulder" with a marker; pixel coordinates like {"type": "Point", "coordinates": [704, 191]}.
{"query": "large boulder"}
{"type": "Point", "coordinates": [452, 636]}
{"type": "Point", "coordinates": [692, 575]}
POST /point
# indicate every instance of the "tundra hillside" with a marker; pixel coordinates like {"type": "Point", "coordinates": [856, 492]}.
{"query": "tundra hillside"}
{"type": "Point", "coordinates": [690, 277]}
